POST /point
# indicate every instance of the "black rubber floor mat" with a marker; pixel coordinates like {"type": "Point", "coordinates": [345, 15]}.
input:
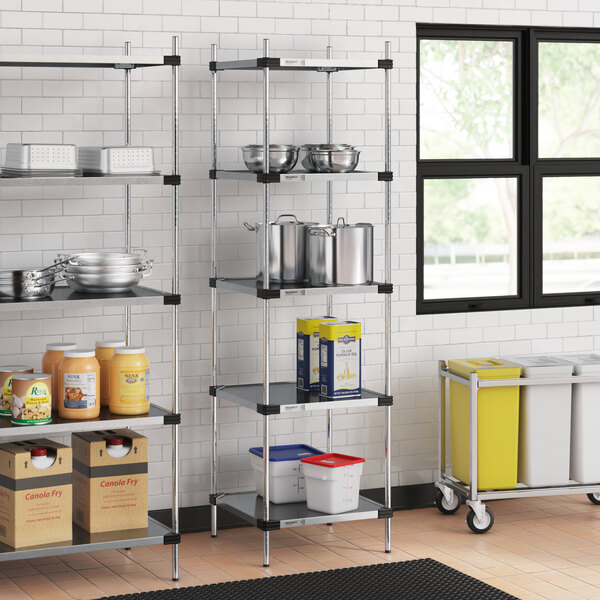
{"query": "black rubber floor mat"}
{"type": "Point", "coordinates": [423, 579]}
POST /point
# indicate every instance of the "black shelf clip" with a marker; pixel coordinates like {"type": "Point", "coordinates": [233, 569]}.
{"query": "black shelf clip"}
{"type": "Point", "coordinates": [212, 174]}
{"type": "Point", "coordinates": [212, 282]}
{"type": "Point", "coordinates": [173, 59]}
{"type": "Point", "coordinates": [172, 419]}
{"type": "Point", "coordinates": [268, 525]}
{"type": "Point", "coordinates": [172, 538]}
{"type": "Point", "coordinates": [212, 65]}
{"type": "Point", "coordinates": [385, 63]}
{"type": "Point", "coordinates": [270, 409]}
{"type": "Point", "coordinates": [268, 177]}
{"type": "Point", "coordinates": [385, 176]}
{"type": "Point", "coordinates": [385, 513]}
{"type": "Point", "coordinates": [267, 294]}
{"type": "Point", "coordinates": [385, 401]}
{"type": "Point", "coordinates": [385, 288]}
{"type": "Point", "coordinates": [172, 300]}
{"type": "Point", "coordinates": [212, 390]}
{"type": "Point", "coordinates": [171, 179]}
{"type": "Point", "coordinates": [268, 61]}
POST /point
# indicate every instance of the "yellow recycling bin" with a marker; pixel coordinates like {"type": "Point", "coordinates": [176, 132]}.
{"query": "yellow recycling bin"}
{"type": "Point", "coordinates": [497, 424]}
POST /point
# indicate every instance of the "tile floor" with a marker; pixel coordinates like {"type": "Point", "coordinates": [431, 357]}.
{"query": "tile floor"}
{"type": "Point", "coordinates": [539, 549]}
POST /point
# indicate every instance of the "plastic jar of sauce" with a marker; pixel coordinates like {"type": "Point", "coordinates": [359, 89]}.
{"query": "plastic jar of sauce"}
{"type": "Point", "coordinates": [79, 385]}
{"type": "Point", "coordinates": [129, 381]}
{"type": "Point", "coordinates": [31, 398]}
{"type": "Point", "coordinates": [50, 363]}
{"type": "Point", "coordinates": [6, 375]}
{"type": "Point", "coordinates": [105, 350]}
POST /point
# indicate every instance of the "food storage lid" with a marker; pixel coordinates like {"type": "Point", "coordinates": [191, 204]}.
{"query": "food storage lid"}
{"type": "Point", "coordinates": [85, 353]}
{"type": "Point", "coordinates": [61, 346]}
{"type": "Point", "coordinates": [541, 365]}
{"type": "Point", "coordinates": [115, 441]}
{"type": "Point", "coordinates": [289, 452]}
{"type": "Point", "coordinates": [39, 452]}
{"type": "Point", "coordinates": [31, 376]}
{"type": "Point", "coordinates": [584, 364]}
{"type": "Point", "coordinates": [333, 460]}
{"type": "Point", "coordinates": [15, 369]}
{"type": "Point", "coordinates": [486, 368]}
{"type": "Point", "coordinates": [130, 350]}
{"type": "Point", "coordinates": [110, 343]}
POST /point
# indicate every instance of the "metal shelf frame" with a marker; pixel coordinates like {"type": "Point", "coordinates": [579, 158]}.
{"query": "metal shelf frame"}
{"type": "Point", "coordinates": [273, 398]}
{"type": "Point", "coordinates": [64, 297]}
{"type": "Point", "coordinates": [473, 497]}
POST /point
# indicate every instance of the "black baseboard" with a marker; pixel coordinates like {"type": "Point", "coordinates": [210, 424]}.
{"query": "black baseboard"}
{"type": "Point", "coordinates": [197, 518]}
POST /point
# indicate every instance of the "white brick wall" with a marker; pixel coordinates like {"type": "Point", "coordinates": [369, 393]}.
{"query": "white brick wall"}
{"type": "Point", "coordinates": [86, 107]}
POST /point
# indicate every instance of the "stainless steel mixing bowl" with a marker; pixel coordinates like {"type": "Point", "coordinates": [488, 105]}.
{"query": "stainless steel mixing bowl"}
{"type": "Point", "coordinates": [306, 149]}
{"type": "Point", "coordinates": [281, 158]}
{"type": "Point", "coordinates": [334, 161]}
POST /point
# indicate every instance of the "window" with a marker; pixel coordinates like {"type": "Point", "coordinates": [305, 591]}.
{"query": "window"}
{"type": "Point", "coordinates": [508, 169]}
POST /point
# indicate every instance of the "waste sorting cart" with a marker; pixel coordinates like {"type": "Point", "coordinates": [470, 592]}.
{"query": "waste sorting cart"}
{"type": "Point", "coordinates": [585, 420]}
{"type": "Point", "coordinates": [544, 421]}
{"type": "Point", "coordinates": [497, 424]}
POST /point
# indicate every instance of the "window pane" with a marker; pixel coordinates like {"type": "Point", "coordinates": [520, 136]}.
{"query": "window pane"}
{"type": "Point", "coordinates": [571, 233]}
{"type": "Point", "coordinates": [470, 236]}
{"type": "Point", "coordinates": [466, 99]}
{"type": "Point", "coordinates": [569, 100]}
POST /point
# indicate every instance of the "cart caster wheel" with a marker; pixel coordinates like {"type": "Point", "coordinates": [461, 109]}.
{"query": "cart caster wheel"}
{"type": "Point", "coordinates": [594, 497]}
{"type": "Point", "coordinates": [477, 526]}
{"type": "Point", "coordinates": [443, 506]}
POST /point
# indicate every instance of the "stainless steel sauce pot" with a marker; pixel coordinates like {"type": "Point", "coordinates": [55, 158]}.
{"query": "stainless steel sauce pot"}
{"type": "Point", "coordinates": [288, 243]}
{"type": "Point", "coordinates": [321, 255]}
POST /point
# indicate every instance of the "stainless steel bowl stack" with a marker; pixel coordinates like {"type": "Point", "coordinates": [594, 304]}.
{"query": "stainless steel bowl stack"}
{"type": "Point", "coordinates": [333, 158]}
{"type": "Point", "coordinates": [105, 272]}
{"type": "Point", "coordinates": [281, 158]}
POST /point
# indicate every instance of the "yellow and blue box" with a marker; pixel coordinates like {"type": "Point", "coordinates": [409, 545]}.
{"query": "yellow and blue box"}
{"type": "Point", "coordinates": [340, 347]}
{"type": "Point", "coordinates": [307, 363]}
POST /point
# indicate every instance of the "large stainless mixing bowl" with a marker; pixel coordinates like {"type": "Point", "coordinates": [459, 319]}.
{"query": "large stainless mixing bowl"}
{"type": "Point", "coordinates": [306, 149]}
{"type": "Point", "coordinates": [281, 158]}
{"type": "Point", "coordinates": [334, 161]}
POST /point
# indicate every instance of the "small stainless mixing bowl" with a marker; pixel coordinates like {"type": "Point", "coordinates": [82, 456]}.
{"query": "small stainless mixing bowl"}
{"type": "Point", "coordinates": [334, 161]}
{"type": "Point", "coordinates": [281, 158]}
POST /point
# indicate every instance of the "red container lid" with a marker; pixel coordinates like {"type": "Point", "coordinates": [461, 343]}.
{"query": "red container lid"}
{"type": "Point", "coordinates": [39, 452]}
{"type": "Point", "coordinates": [115, 441]}
{"type": "Point", "coordinates": [333, 460]}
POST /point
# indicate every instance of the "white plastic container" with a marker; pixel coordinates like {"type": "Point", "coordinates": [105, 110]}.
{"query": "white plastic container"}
{"type": "Point", "coordinates": [332, 482]}
{"type": "Point", "coordinates": [544, 422]}
{"type": "Point", "coordinates": [117, 447]}
{"type": "Point", "coordinates": [40, 459]}
{"type": "Point", "coordinates": [585, 420]}
{"type": "Point", "coordinates": [286, 479]}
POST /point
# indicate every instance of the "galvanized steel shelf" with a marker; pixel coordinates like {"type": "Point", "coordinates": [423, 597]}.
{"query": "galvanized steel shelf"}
{"type": "Point", "coordinates": [106, 420]}
{"type": "Point", "coordinates": [64, 298]}
{"type": "Point", "coordinates": [453, 492]}
{"type": "Point", "coordinates": [286, 397]}
{"type": "Point", "coordinates": [253, 286]}
{"type": "Point", "coordinates": [155, 534]}
{"type": "Point", "coordinates": [249, 506]}
{"type": "Point", "coordinates": [269, 398]}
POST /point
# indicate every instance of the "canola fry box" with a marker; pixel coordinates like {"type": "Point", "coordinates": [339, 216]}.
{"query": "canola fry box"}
{"type": "Point", "coordinates": [307, 364]}
{"type": "Point", "coordinates": [340, 359]}
{"type": "Point", "coordinates": [35, 504]}
{"type": "Point", "coordinates": [110, 493]}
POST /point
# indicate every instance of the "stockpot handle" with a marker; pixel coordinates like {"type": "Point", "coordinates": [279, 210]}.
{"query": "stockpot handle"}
{"type": "Point", "coordinates": [343, 222]}
{"type": "Point", "coordinates": [287, 215]}
{"type": "Point", "coordinates": [321, 231]}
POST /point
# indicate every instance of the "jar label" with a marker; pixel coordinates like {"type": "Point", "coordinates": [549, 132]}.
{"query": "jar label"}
{"type": "Point", "coordinates": [34, 408]}
{"type": "Point", "coordinates": [134, 386]}
{"type": "Point", "coordinates": [80, 390]}
{"type": "Point", "coordinates": [6, 398]}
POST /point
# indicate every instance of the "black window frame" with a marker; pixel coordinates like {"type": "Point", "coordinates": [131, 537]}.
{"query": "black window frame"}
{"type": "Point", "coordinates": [525, 165]}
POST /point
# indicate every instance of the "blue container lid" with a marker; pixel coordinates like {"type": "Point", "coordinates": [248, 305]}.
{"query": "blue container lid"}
{"type": "Point", "coordinates": [289, 452]}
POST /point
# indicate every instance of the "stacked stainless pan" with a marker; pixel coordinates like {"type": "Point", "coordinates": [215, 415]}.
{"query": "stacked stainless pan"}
{"type": "Point", "coordinates": [105, 272]}
{"type": "Point", "coordinates": [27, 284]}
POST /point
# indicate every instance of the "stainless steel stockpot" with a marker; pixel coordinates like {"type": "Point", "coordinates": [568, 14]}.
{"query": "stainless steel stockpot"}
{"type": "Point", "coordinates": [321, 255]}
{"type": "Point", "coordinates": [288, 244]}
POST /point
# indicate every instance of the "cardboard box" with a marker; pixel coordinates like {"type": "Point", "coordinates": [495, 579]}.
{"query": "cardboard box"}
{"type": "Point", "coordinates": [35, 505]}
{"type": "Point", "coordinates": [109, 493]}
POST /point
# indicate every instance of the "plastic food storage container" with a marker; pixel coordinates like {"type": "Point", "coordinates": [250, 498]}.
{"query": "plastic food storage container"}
{"type": "Point", "coordinates": [544, 422]}
{"type": "Point", "coordinates": [79, 385]}
{"type": "Point", "coordinates": [105, 350]}
{"type": "Point", "coordinates": [497, 424]}
{"type": "Point", "coordinates": [285, 472]}
{"type": "Point", "coordinates": [332, 482]}
{"type": "Point", "coordinates": [129, 381]}
{"type": "Point", "coordinates": [51, 360]}
{"type": "Point", "coordinates": [585, 420]}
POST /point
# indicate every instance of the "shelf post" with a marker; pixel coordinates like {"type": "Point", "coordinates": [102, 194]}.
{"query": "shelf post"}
{"type": "Point", "coordinates": [175, 324]}
{"type": "Point", "coordinates": [329, 220]}
{"type": "Point", "coordinates": [266, 277]}
{"type": "Point", "coordinates": [128, 186]}
{"type": "Point", "coordinates": [388, 298]}
{"type": "Point", "coordinates": [213, 296]}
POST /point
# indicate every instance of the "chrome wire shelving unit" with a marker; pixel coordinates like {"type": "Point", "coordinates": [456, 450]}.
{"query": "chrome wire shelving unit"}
{"type": "Point", "coordinates": [452, 493]}
{"type": "Point", "coordinates": [64, 298]}
{"type": "Point", "coordinates": [269, 398]}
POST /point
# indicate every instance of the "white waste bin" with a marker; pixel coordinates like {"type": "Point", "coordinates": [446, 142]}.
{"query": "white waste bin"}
{"type": "Point", "coordinates": [585, 422]}
{"type": "Point", "coordinates": [544, 422]}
